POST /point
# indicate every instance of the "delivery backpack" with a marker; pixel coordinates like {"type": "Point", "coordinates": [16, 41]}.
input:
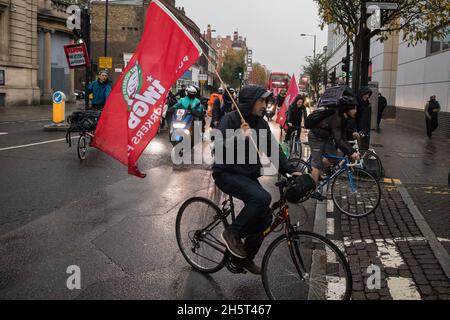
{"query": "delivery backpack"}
{"type": "Point", "coordinates": [327, 106]}
{"type": "Point", "coordinates": [82, 121]}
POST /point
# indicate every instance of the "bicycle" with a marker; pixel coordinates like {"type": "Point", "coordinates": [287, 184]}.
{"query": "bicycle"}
{"type": "Point", "coordinates": [297, 264]}
{"type": "Point", "coordinates": [354, 190]}
{"type": "Point", "coordinates": [370, 161]}
{"type": "Point", "coordinates": [295, 144]}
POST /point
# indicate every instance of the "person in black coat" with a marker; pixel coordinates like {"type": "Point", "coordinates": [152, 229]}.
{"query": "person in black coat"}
{"type": "Point", "coordinates": [382, 104]}
{"type": "Point", "coordinates": [363, 116]}
{"type": "Point", "coordinates": [432, 109]}
{"type": "Point", "coordinates": [295, 113]}
{"type": "Point", "coordinates": [239, 178]}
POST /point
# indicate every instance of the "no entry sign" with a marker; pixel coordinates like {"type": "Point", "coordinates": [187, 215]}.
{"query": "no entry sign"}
{"type": "Point", "coordinates": [76, 55]}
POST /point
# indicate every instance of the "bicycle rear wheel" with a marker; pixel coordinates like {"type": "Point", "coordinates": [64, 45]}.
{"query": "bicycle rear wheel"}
{"type": "Point", "coordinates": [372, 163]}
{"type": "Point", "coordinates": [364, 200]}
{"type": "Point", "coordinates": [82, 147]}
{"type": "Point", "coordinates": [325, 273]}
{"type": "Point", "coordinates": [199, 226]}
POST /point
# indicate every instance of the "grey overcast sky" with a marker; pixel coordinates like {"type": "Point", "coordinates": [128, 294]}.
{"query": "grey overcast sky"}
{"type": "Point", "coordinates": [272, 27]}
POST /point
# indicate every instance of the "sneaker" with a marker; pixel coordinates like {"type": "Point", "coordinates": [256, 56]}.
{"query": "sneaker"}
{"type": "Point", "coordinates": [251, 267]}
{"type": "Point", "coordinates": [234, 244]}
{"type": "Point", "coordinates": [318, 196]}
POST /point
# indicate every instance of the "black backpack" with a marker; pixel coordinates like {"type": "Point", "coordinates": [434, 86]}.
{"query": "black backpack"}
{"type": "Point", "coordinates": [317, 116]}
{"type": "Point", "coordinates": [328, 105]}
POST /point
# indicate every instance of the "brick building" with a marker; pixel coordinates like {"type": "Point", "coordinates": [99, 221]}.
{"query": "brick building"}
{"type": "Point", "coordinates": [223, 44]}
{"type": "Point", "coordinates": [32, 60]}
{"type": "Point", "coordinates": [126, 21]}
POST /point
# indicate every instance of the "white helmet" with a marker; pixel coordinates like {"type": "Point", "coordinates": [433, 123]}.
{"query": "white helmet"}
{"type": "Point", "coordinates": [191, 89]}
{"type": "Point", "coordinates": [221, 90]}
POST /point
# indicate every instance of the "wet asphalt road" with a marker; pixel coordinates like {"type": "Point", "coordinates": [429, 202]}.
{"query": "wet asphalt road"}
{"type": "Point", "coordinates": [57, 211]}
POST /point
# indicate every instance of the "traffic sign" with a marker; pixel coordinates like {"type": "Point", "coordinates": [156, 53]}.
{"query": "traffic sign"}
{"type": "Point", "coordinates": [105, 62]}
{"type": "Point", "coordinates": [58, 97]}
{"type": "Point", "coordinates": [76, 55]}
{"type": "Point", "coordinates": [383, 5]}
{"type": "Point", "coordinates": [202, 77]}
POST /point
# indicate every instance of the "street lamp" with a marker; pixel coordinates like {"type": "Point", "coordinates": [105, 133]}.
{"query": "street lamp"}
{"type": "Point", "coordinates": [311, 35]}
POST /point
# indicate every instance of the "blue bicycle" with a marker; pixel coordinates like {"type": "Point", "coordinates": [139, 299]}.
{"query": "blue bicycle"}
{"type": "Point", "coordinates": [354, 190]}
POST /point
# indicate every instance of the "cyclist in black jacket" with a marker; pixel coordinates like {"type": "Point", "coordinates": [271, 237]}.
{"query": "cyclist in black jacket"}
{"type": "Point", "coordinates": [329, 134]}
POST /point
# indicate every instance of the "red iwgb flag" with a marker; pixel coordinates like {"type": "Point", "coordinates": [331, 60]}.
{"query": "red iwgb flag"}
{"type": "Point", "coordinates": [132, 112]}
{"type": "Point", "coordinates": [290, 97]}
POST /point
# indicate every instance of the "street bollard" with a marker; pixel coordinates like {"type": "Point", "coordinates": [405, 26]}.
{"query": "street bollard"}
{"type": "Point", "coordinates": [59, 107]}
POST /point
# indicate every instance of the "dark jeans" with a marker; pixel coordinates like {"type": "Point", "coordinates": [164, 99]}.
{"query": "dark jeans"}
{"type": "Point", "coordinates": [380, 115]}
{"type": "Point", "coordinates": [431, 124]}
{"type": "Point", "coordinates": [255, 216]}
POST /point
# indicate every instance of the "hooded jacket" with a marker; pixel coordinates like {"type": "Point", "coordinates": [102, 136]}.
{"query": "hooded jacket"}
{"type": "Point", "coordinates": [247, 99]}
{"type": "Point", "coordinates": [294, 114]}
{"type": "Point", "coordinates": [364, 112]}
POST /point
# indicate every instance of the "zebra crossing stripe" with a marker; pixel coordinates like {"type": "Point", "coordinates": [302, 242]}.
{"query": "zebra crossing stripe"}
{"type": "Point", "coordinates": [402, 288]}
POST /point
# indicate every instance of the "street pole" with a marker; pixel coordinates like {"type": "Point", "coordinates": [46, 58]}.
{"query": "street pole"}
{"type": "Point", "coordinates": [106, 29]}
{"type": "Point", "coordinates": [87, 41]}
{"type": "Point", "coordinates": [347, 76]}
{"type": "Point", "coordinates": [314, 47]}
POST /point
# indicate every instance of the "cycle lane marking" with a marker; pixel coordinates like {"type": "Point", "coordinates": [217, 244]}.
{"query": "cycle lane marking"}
{"type": "Point", "coordinates": [34, 144]}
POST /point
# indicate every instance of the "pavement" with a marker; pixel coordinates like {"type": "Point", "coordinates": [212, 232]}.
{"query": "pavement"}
{"type": "Point", "coordinates": [406, 238]}
{"type": "Point", "coordinates": [119, 230]}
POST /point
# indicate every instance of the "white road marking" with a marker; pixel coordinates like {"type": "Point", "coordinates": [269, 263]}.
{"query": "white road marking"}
{"type": "Point", "coordinates": [3, 133]}
{"type": "Point", "coordinates": [330, 206]}
{"type": "Point", "coordinates": [389, 255]}
{"type": "Point", "coordinates": [443, 240]}
{"type": "Point", "coordinates": [35, 144]}
{"type": "Point", "coordinates": [330, 226]}
{"type": "Point", "coordinates": [349, 242]}
{"type": "Point", "coordinates": [335, 287]}
{"type": "Point", "coordinates": [402, 288]}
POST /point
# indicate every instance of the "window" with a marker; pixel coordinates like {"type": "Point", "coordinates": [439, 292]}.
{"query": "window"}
{"type": "Point", "coordinates": [439, 44]}
{"type": "Point", "coordinates": [4, 41]}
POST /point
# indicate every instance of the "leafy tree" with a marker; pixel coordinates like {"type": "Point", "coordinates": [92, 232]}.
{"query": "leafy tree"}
{"type": "Point", "coordinates": [417, 19]}
{"type": "Point", "coordinates": [233, 58]}
{"type": "Point", "coordinates": [258, 75]}
{"type": "Point", "coordinates": [316, 68]}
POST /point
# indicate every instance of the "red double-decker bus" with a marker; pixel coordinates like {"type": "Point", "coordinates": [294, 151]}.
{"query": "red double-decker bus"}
{"type": "Point", "coordinates": [278, 81]}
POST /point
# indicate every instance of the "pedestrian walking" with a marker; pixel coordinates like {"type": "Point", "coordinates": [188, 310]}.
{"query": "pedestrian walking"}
{"type": "Point", "coordinates": [363, 116]}
{"type": "Point", "coordinates": [382, 104]}
{"type": "Point", "coordinates": [432, 109]}
{"type": "Point", "coordinates": [100, 89]}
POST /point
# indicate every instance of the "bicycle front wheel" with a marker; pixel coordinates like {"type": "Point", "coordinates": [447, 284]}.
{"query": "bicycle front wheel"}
{"type": "Point", "coordinates": [324, 271]}
{"type": "Point", "coordinates": [199, 227]}
{"type": "Point", "coordinates": [356, 192]}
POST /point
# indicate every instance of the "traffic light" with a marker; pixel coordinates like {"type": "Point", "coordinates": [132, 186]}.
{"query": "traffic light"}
{"type": "Point", "coordinates": [346, 64]}
{"type": "Point", "coordinates": [333, 77]}
{"type": "Point", "coordinates": [239, 73]}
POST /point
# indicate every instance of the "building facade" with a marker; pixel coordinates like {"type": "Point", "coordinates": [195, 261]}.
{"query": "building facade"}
{"type": "Point", "coordinates": [126, 21]}
{"type": "Point", "coordinates": [223, 44]}
{"type": "Point", "coordinates": [406, 75]}
{"type": "Point", "coordinates": [32, 59]}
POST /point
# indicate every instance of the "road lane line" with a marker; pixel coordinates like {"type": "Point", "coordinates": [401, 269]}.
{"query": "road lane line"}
{"type": "Point", "coordinates": [34, 144]}
{"type": "Point", "coordinates": [330, 226]}
{"type": "Point", "coordinates": [3, 133]}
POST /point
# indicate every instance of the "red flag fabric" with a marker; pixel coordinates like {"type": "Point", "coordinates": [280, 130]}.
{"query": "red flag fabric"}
{"type": "Point", "coordinates": [132, 112]}
{"type": "Point", "coordinates": [290, 96]}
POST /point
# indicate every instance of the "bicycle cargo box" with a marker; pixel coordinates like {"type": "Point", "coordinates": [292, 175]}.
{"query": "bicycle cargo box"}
{"type": "Point", "coordinates": [331, 96]}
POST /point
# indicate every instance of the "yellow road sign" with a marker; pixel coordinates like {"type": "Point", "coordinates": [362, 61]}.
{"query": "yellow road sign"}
{"type": "Point", "coordinates": [105, 62]}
